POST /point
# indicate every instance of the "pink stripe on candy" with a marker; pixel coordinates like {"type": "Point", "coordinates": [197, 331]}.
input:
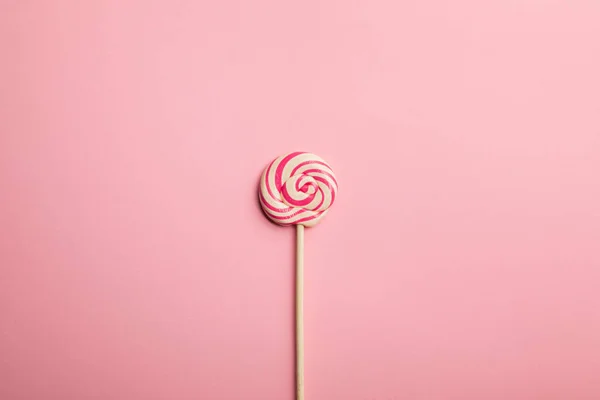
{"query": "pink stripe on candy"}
{"type": "Point", "coordinates": [310, 218]}
{"type": "Point", "coordinates": [320, 171]}
{"type": "Point", "coordinates": [323, 180]}
{"type": "Point", "coordinates": [283, 218]}
{"type": "Point", "coordinates": [279, 171]}
{"type": "Point", "coordinates": [303, 163]}
{"type": "Point", "coordinates": [270, 207]}
{"type": "Point", "coordinates": [294, 202]}
{"type": "Point", "coordinates": [321, 202]}
{"type": "Point", "coordinates": [267, 178]}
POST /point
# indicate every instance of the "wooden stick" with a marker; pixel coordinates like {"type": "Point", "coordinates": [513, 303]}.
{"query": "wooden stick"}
{"type": "Point", "coordinates": [299, 312]}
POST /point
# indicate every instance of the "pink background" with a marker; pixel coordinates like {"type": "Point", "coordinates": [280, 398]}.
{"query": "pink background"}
{"type": "Point", "coordinates": [461, 260]}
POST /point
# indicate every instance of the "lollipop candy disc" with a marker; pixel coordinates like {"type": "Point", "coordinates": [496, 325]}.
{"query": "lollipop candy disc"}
{"type": "Point", "coordinates": [297, 189]}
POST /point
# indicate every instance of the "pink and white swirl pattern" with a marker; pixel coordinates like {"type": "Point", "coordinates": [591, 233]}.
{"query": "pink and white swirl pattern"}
{"type": "Point", "coordinates": [297, 189]}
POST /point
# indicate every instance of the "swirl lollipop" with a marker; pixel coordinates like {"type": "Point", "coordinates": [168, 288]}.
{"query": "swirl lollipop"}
{"type": "Point", "coordinates": [298, 189]}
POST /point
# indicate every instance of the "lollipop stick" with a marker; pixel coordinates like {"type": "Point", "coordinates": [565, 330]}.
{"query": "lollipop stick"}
{"type": "Point", "coordinates": [299, 312]}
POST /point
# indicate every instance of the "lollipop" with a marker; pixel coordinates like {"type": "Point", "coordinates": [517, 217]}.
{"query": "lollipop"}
{"type": "Point", "coordinates": [298, 189]}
